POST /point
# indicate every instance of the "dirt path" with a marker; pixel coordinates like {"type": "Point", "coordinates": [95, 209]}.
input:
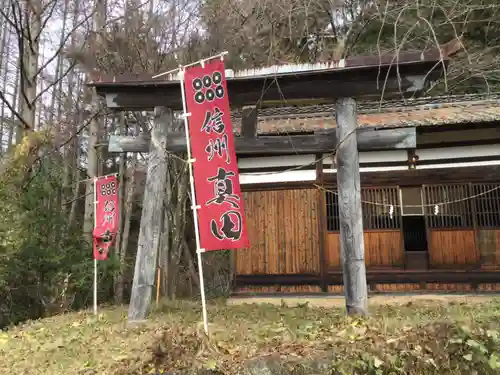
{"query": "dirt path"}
{"type": "Point", "coordinates": [337, 301]}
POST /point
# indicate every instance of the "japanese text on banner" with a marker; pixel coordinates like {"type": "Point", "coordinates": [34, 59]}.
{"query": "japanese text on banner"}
{"type": "Point", "coordinates": [106, 215]}
{"type": "Point", "coordinates": [221, 213]}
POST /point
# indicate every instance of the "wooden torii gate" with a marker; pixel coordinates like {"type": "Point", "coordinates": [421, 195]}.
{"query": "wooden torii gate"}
{"type": "Point", "coordinates": [357, 77]}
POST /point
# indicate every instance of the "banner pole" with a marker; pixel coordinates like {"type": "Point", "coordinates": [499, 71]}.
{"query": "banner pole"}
{"type": "Point", "coordinates": [95, 286]}
{"type": "Point", "coordinates": [193, 202]}
{"type": "Point", "coordinates": [95, 259]}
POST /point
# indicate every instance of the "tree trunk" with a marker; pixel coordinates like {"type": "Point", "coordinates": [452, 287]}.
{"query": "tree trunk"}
{"type": "Point", "coordinates": [76, 178]}
{"type": "Point", "coordinates": [5, 49]}
{"type": "Point", "coordinates": [29, 56]}
{"type": "Point", "coordinates": [180, 185]}
{"type": "Point", "coordinates": [127, 204]}
{"type": "Point", "coordinates": [57, 87]}
{"type": "Point", "coordinates": [190, 263]}
{"type": "Point", "coordinates": [15, 104]}
{"type": "Point", "coordinates": [72, 120]}
{"type": "Point", "coordinates": [92, 161]}
{"type": "Point", "coordinates": [128, 210]}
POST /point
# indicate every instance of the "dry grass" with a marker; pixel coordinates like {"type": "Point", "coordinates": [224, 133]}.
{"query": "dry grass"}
{"type": "Point", "coordinates": [376, 300]}
{"type": "Point", "coordinates": [417, 338]}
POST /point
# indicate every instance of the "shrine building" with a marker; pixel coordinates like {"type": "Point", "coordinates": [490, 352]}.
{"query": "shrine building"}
{"type": "Point", "coordinates": [429, 172]}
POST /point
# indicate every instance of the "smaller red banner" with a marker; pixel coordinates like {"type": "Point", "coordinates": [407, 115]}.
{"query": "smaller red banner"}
{"type": "Point", "coordinates": [106, 215]}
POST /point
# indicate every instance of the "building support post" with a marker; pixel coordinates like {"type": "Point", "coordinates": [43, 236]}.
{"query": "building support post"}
{"type": "Point", "coordinates": [151, 219]}
{"type": "Point", "coordinates": [351, 219]}
{"type": "Point", "coordinates": [322, 224]}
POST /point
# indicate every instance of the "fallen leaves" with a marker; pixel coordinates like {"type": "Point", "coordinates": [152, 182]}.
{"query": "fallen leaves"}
{"type": "Point", "coordinates": [4, 339]}
{"type": "Point", "coordinates": [401, 340]}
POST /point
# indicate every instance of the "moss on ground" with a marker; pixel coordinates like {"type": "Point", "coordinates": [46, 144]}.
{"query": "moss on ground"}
{"type": "Point", "coordinates": [415, 338]}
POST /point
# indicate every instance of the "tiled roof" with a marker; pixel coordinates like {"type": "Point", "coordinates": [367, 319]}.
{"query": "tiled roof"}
{"type": "Point", "coordinates": [418, 112]}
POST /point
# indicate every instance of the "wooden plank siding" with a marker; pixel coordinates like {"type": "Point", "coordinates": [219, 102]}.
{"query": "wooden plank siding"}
{"type": "Point", "coordinates": [382, 249]}
{"type": "Point", "coordinates": [452, 248]}
{"type": "Point", "coordinates": [283, 232]}
{"type": "Point", "coordinates": [332, 249]}
{"type": "Point", "coordinates": [462, 240]}
{"type": "Point", "coordinates": [488, 241]}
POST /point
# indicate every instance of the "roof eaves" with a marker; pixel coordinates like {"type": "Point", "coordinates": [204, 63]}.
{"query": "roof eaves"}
{"type": "Point", "coordinates": [351, 63]}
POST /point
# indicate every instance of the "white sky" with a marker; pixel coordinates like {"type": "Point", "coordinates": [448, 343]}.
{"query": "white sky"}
{"type": "Point", "coordinates": [50, 40]}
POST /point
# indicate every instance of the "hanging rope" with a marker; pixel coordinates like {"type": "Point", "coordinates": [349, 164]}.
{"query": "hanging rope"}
{"type": "Point", "coordinates": [417, 205]}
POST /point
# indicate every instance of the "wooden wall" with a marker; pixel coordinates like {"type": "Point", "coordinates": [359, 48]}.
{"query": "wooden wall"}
{"type": "Point", "coordinates": [464, 231]}
{"type": "Point", "coordinates": [488, 243]}
{"type": "Point", "coordinates": [383, 249]}
{"type": "Point", "coordinates": [284, 228]}
{"type": "Point", "coordinates": [283, 231]}
{"type": "Point", "coordinates": [452, 248]}
{"type": "Point", "coordinates": [332, 250]}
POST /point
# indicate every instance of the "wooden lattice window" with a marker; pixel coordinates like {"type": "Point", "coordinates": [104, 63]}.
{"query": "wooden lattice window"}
{"type": "Point", "coordinates": [487, 205]}
{"type": "Point", "coordinates": [454, 206]}
{"type": "Point", "coordinates": [376, 206]}
{"type": "Point", "coordinates": [376, 209]}
{"type": "Point", "coordinates": [332, 211]}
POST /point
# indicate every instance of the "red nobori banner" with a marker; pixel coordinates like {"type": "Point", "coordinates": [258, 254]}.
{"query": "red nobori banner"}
{"type": "Point", "coordinates": [221, 217]}
{"type": "Point", "coordinates": [106, 215]}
